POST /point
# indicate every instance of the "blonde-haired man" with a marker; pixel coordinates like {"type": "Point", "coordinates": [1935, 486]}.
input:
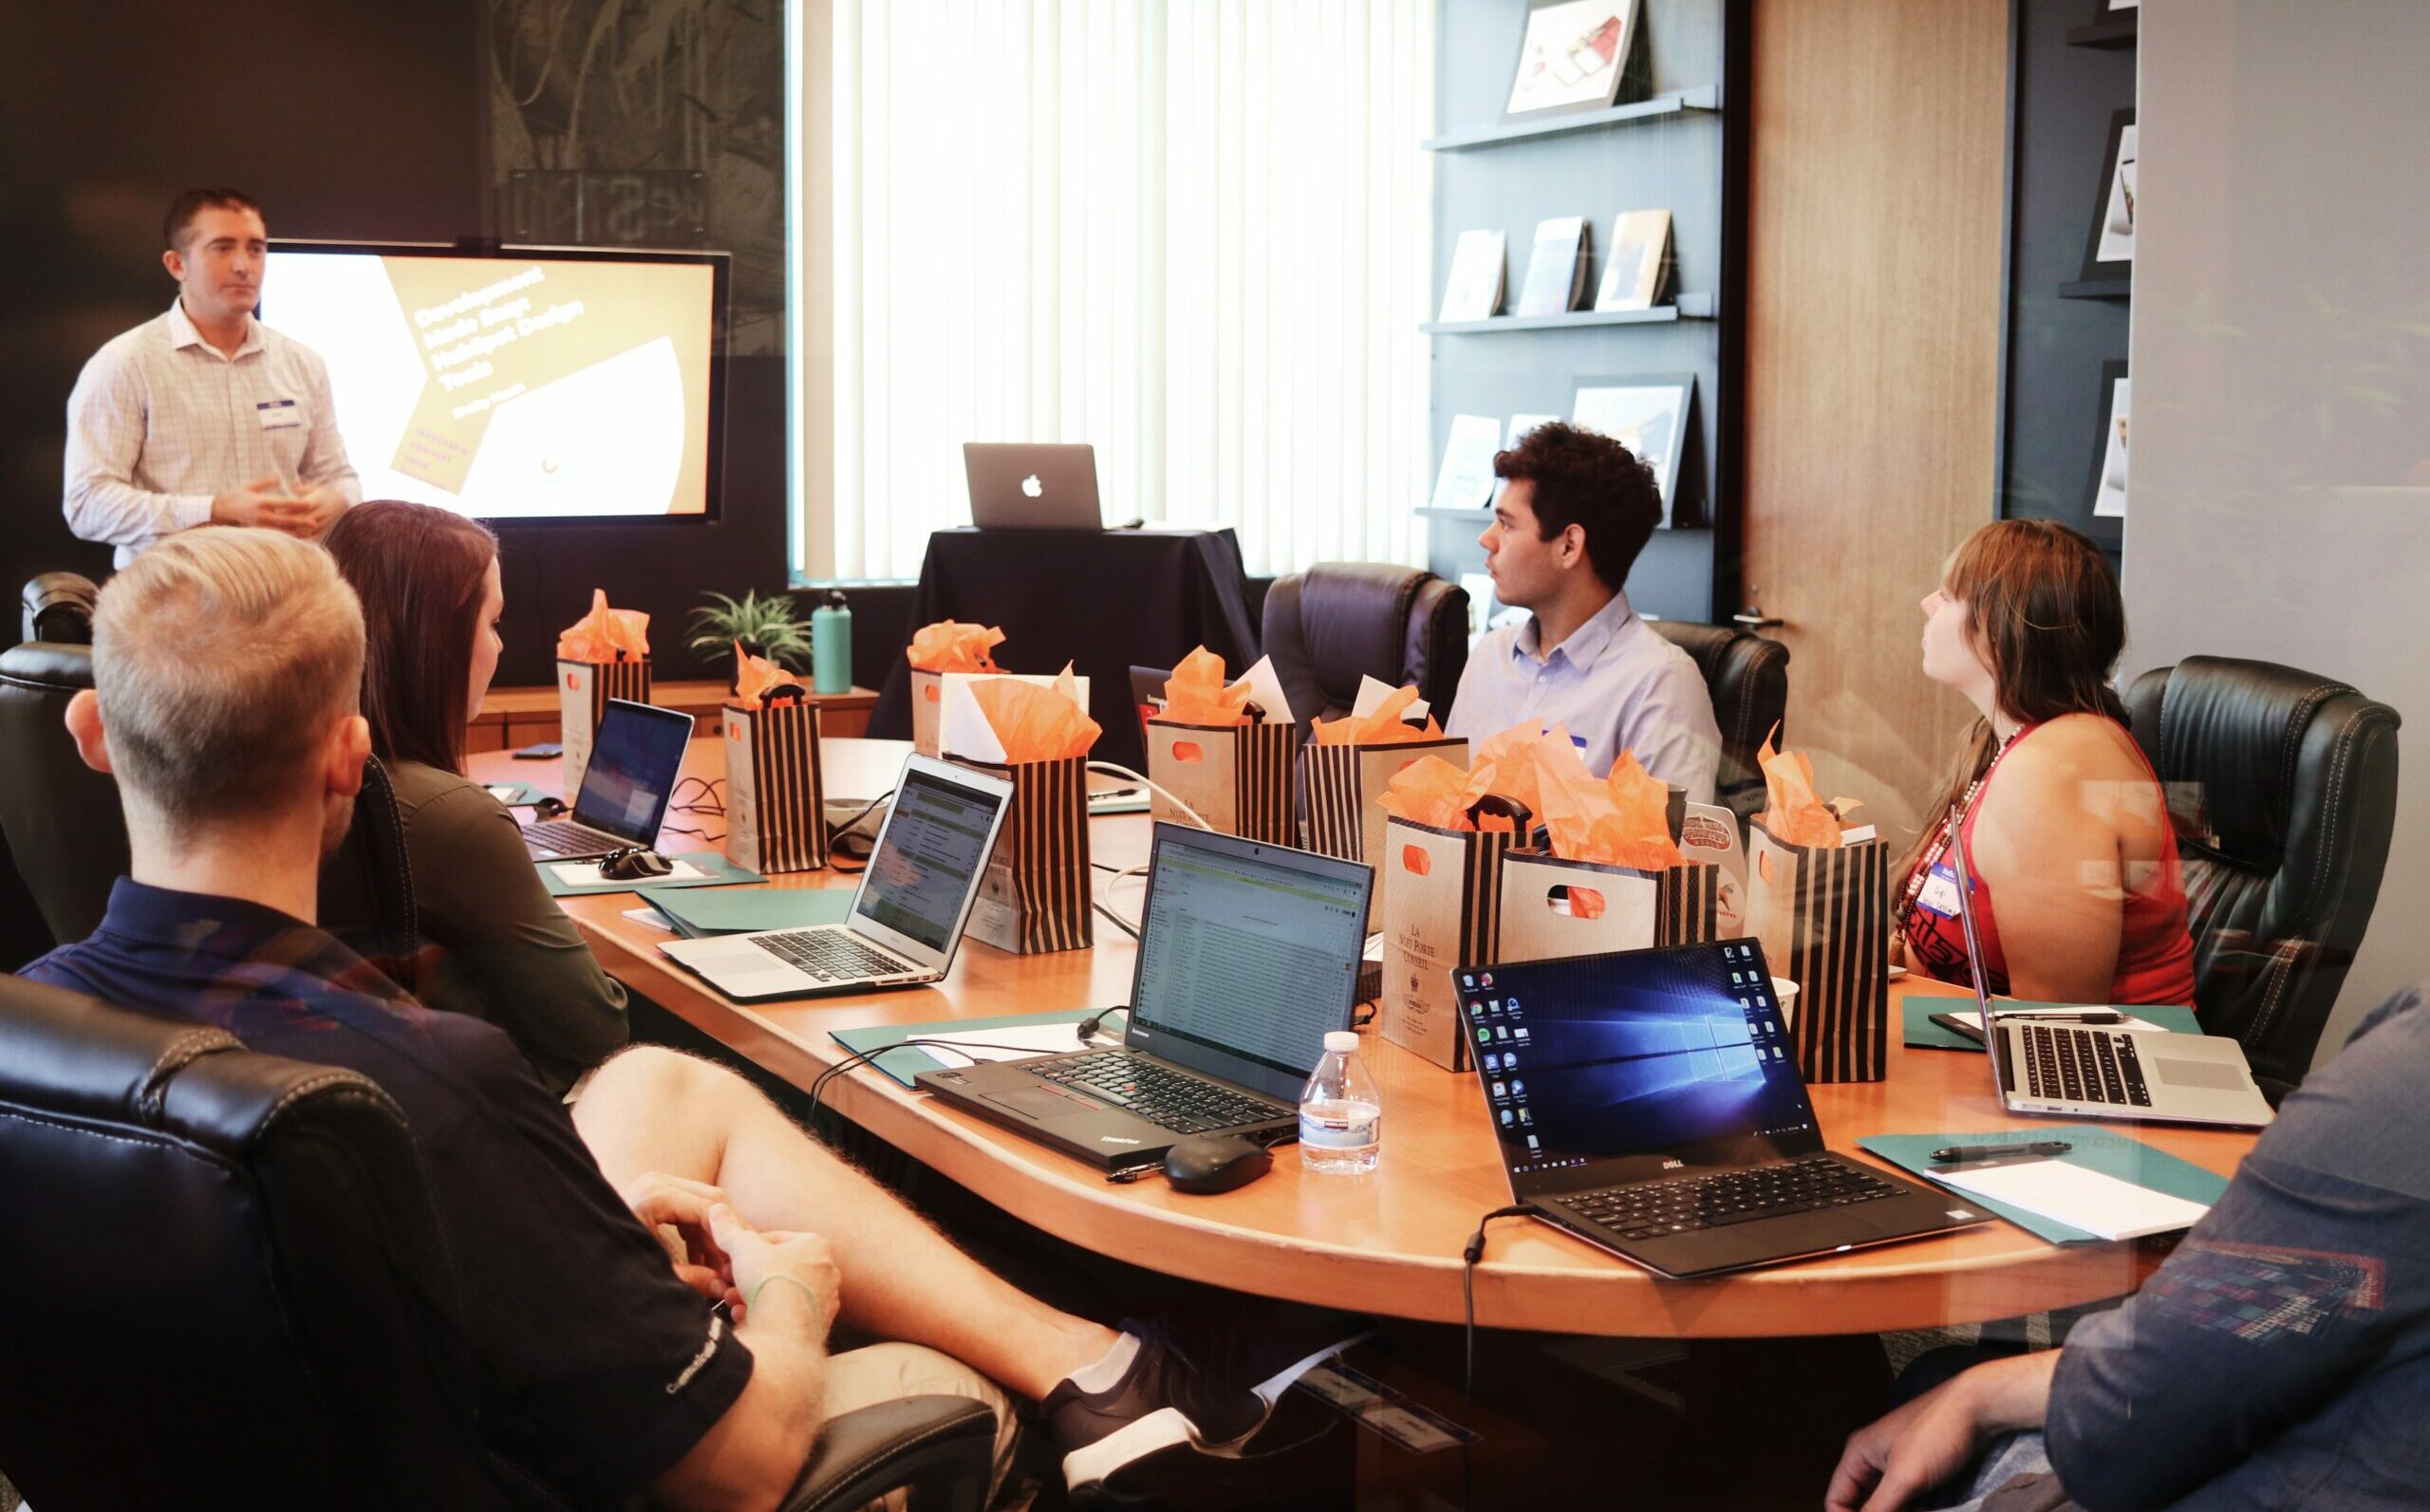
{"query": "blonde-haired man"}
{"type": "Point", "coordinates": [225, 670]}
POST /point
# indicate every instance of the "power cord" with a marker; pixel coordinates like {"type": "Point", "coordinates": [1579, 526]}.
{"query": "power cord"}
{"type": "Point", "coordinates": [711, 800]}
{"type": "Point", "coordinates": [838, 831]}
{"type": "Point", "coordinates": [1083, 1030]}
{"type": "Point", "coordinates": [1469, 1254]}
{"type": "Point", "coordinates": [1114, 769]}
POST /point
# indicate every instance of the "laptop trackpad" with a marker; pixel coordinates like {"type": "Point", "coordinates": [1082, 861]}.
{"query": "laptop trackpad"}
{"type": "Point", "coordinates": [1039, 1104]}
{"type": "Point", "coordinates": [2218, 1075]}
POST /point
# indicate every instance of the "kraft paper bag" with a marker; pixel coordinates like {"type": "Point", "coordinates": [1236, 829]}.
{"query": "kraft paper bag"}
{"type": "Point", "coordinates": [1236, 776]}
{"type": "Point", "coordinates": [1034, 896]}
{"type": "Point", "coordinates": [775, 817]}
{"type": "Point", "coordinates": [1340, 785]}
{"type": "Point", "coordinates": [583, 691]}
{"type": "Point", "coordinates": [1823, 913]}
{"type": "Point", "coordinates": [1552, 907]}
{"type": "Point", "coordinates": [1441, 912]}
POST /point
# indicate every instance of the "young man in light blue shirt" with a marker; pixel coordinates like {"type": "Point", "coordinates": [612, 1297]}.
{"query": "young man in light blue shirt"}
{"type": "Point", "coordinates": [1565, 532]}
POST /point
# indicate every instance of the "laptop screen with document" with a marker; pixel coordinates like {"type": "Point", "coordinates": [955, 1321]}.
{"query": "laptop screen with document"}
{"type": "Point", "coordinates": [634, 759]}
{"type": "Point", "coordinates": [929, 856]}
{"type": "Point", "coordinates": [1248, 956]}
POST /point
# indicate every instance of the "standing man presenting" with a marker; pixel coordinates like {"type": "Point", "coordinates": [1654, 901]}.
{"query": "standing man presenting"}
{"type": "Point", "coordinates": [205, 416]}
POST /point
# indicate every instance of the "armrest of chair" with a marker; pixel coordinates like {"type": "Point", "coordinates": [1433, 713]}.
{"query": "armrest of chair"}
{"type": "Point", "coordinates": [940, 1450]}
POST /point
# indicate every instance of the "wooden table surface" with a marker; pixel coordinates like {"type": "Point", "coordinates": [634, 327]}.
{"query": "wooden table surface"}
{"type": "Point", "coordinates": [1388, 1242]}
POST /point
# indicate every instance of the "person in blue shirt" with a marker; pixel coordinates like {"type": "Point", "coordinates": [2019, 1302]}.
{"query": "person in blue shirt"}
{"type": "Point", "coordinates": [607, 1245]}
{"type": "Point", "coordinates": [2280, 1358]}
{"type": "Point", "coordinates": [1576, 511]}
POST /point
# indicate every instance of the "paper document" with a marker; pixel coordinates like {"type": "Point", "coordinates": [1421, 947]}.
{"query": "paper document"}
{"type": "Point", "coordinates": [1011, 1042]}
{"type": "Point", "coordinates": [650, 918]}
{"type": "Point", "coordinates": [586, 874]}
{"type": "Point", "coordinates": [2078, 1197]}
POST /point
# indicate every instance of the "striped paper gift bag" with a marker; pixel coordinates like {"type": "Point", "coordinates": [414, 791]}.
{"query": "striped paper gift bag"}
{"type": "Point", "coordinates": [583, 691]}
{"type": "Point", "coordinates": [1235, 777]}
{"type": "Point", "coordinates": [1442, 910]}
{"type": "Point", "coordinates": [1552, 907]}
{"type": "Point", "coordinates": [1340, 784]}
{"type": "Point", "coordinates": [775, 817]}
{"type": "Point", "coordinates": [1822, 914]}
{"type": "Point", "coordinates": [1034, 897]}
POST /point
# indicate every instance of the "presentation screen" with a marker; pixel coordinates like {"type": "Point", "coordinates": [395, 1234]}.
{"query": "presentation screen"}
{"type": "Point", "coordinates": [539, 384]}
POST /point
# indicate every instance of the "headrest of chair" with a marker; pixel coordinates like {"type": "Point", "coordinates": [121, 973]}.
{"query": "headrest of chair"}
{"type": "Point", "coordinates": [65, 1053]}
{"type": "Point", "coordinates": [1353, 617]}
{"type": "Point", "coordinates": [48, 665]}
{"type": "Point", "coordinates": [2238, 729]}
{"type": "Point", "coordinates": [59, 607]}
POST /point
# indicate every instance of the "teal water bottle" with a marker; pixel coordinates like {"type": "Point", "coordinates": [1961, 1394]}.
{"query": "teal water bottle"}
{"type": "Point", "coordinates": [830, 646]}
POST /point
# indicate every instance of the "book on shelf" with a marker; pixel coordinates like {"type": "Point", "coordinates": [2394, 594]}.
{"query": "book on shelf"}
{"type": "Point", "coordinates": [1466, 481]}
{"type": "Point", "coordinates": [1474, 291]}
{"type": "Point", "coordinates": [1556, 268]}
{"type": "Point", "coordinates": [1638, 270]}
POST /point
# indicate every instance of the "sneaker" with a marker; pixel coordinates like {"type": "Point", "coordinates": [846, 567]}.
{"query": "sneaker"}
{"type": "Point", "coordinates": [1172, 1401]}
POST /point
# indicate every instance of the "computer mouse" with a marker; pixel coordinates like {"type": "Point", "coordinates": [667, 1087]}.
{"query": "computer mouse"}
{"type": "Point", "coordinates": [633, 866]}
{"type": "Point", "coordinates": [1215, 1163]}
{"type": "Point", "coordinates": [548, 808]}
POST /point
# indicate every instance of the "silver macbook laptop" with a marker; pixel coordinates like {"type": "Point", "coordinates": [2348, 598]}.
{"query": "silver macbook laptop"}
{"type": "Point", "coordinates": [633, 763]}
{"type": "Point", "coordinates": [2081, 1070]}
{"type": "Point", "coordinates": [1031, 487]}
{"type": "Point", "coordinates": [908, 917]}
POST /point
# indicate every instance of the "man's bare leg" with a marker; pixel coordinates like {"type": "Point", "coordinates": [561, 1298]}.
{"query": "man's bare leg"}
{"type": "Point", "coordinates": [655, 1109]}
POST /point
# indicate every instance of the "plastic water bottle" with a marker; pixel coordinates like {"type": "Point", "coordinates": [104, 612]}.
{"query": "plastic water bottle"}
{"type": "Point", "coordinates": [1341, 1117]}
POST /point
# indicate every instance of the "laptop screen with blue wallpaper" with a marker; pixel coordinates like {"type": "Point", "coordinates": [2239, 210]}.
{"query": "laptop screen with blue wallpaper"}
{"type": "Point", "coordinates": [1636, 1064]}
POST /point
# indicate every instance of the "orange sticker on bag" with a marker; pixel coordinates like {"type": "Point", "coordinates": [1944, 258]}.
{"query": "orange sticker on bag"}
{"type": "Point", "coordinates": [1187, 751]}
{"type": "Point", "coordinates": [1415, 860]}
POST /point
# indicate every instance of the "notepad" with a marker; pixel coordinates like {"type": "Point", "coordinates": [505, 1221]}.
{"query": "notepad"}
{"type": "Point", "coordinates": [586, 874]}
{"type": "Point", "coordinates": [2080, 1198]}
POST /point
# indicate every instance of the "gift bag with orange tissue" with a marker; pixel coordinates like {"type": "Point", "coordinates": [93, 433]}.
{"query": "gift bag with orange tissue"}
{"type": "Point", "coordinates": [1609, 875]}
{"type": "Point", "coordinates": [1817, 896]}
{"type": "Point", "coordinates": [1225, 750]}
{"type": "Point", "coordinates": [1346, 763]}
{"type": "Point", "coordinates": [1034, 897]}
{"type": "Point", "coordinates": [604, 655]}
{"type": "Point", "coordinates": [946, 649]}
{"type": "Point", "coordinates": [775, 817]}
{"type": "Point", "coordinates": [1441, 877]}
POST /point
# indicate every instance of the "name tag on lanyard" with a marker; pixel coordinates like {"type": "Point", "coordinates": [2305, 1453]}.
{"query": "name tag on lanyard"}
{"type": "Point", "coordinates": [279, 415]}
{"type": "Point", "coordinates": [1940, 891]}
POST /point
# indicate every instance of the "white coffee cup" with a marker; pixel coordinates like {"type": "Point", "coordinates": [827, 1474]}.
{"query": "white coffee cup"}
{"type": "Point", "coordinates": [1784, 992]}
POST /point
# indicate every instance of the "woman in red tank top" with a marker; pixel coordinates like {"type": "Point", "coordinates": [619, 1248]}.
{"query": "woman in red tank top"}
{"type": "Point", "coordinates": [2077, 896]}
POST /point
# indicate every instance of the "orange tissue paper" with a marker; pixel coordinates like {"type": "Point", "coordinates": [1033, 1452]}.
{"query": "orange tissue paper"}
{"type": "Point", "coordinates": [605, 634]}
{"type": "Point", "coordinates": [1521, 762]}
{"type": "Point", "coordinates": [1791, 810]}
{"type": "Point", "coordinates": [946, 646]}
{"type": "Point", "coordinates": [756, 676]}
{"type": "Point", "coordinates": [1383, 727]}
{"type": "Point", "coordinates": [1621, 821]}
{"type": "Point", "coordinates": [1037, 724]}
{"type": "Point", "coordinates": [1428, 791]}
{"type": "Point", "coordinates": [1195, 693]}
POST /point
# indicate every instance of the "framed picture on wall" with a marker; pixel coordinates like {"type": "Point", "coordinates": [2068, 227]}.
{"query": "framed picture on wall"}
{"type": "Point", "coordinates": [2109, 456]}
{"type": "Point", "coordinates": [1650, 416]}
{"type": "Point", "coordinates": [1573, 56]}
{"type": "Point", "coordinates": [2110, 251]}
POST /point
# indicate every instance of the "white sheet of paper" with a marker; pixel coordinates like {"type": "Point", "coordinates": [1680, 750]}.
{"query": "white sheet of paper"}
{"type": "Point", "coordinates": [651, 917]}
{"type": "Point", "coordinates": [1265, 691]}
{"type": "Point", "coordinates": [586, 874]}
{"type": "Point", "coordinates": [981, 1044]}
{"type": "Point", "coordinates": [1373, 691]}
{"type": "Point", "coordinates": [2081, 1198]}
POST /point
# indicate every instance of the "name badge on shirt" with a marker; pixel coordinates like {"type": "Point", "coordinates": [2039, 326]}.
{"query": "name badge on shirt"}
{"type": "Point", "coordinates": [279, 414]}
{"type": "Point", "coordinates": [1940, 891]}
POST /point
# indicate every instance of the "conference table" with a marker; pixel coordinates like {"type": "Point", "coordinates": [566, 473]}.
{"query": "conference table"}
{"type": "Point", "coordinates": [1390, 1241]}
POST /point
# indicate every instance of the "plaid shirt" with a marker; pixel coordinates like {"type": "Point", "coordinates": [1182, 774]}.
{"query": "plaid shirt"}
{"type": "Point", "coordinates": [162, 422]}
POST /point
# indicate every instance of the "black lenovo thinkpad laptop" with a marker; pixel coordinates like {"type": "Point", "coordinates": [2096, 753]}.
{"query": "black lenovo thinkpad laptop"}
{"type": "Point", "coordinates": [1249, 955]}
{"type": "Point", "coordinates": [1648, 1103]}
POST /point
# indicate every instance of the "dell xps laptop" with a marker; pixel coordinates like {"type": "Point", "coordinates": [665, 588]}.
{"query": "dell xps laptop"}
{"type": "Point", "coordinates": [1249, 955]}
{"type": "Point", "coordinates": [633, 762]}
{"type": "Point", "coordinates": [1650, 1104]}
{"type": "Point", "coordinates": [2083, 1070]}
{"type": "Point", "coordinates": [906, 919]}
{"type": "Point", "coordinates": [1018, 486]}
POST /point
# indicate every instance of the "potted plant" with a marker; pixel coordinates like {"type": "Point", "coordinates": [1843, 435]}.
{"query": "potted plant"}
{"type": "Point", "coordinates": [764, 626]}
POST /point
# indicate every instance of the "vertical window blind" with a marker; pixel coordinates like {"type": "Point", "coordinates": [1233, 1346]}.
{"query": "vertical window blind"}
{"type": "Point", "coordinates": [1194, 233]}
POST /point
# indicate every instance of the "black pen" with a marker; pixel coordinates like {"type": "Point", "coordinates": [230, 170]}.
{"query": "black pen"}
{"type": "Point", "coordinates": [1949, 1154]}
{"type": "Point", "coordinates": [2035, 1015]}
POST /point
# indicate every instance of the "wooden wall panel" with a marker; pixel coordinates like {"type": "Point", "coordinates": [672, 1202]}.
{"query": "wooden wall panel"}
{"type": "Point", "coordinates": [1872, 362]}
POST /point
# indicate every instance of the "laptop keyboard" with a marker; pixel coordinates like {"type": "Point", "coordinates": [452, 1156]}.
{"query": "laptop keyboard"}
{"type": "Point", "coordinates": [1685, 1204]}
{"type": "Point", "coordinates": [1170, 1099]}
{"type": "Point", "coordinates": [2081, 1067]}
{"type": "Point", "coordinates": [831, 955]}
{"type": "Point", "coordinates": [564, 837]}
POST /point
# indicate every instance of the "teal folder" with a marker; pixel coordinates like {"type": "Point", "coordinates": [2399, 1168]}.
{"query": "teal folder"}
{"type": "Point", "coordinates": [719, 872]}
{"type": "Point", "coordinates": [907, 1061]}
{"type": "Point", "coordinates": [2107, 1150]}
{"type": "Point", "coordinates": [721, 911]}
{"type": "Point", "coordinates": [1922, 1032]}
{"type": "Point", "coordinates": [514, 794]}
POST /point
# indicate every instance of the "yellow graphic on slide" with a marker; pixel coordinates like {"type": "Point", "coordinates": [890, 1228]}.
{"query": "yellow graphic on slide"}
{"type": "Point", "coordinates": [494, 334]}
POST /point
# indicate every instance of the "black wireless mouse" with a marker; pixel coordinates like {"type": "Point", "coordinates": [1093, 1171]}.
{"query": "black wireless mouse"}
{"type": "Point", "coordinates": [634, 866]}
{"type": "Point", "coordinates": [1215, 1163]}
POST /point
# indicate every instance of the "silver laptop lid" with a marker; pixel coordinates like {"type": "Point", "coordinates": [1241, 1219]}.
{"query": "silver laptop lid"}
{"type": "Point", "coordinates": [923, 874]}
{"type": "Point", "coordinates": [634, 759]}
{"type": "Point", "coordinates": [1032, 486]}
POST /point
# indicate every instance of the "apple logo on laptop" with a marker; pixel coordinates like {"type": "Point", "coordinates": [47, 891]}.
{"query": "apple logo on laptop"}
{"type": "Point", "coordinates": [1032, 487]}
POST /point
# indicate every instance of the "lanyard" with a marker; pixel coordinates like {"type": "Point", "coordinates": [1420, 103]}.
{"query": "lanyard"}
{"type": "Point", "coordinates": [1944, 839]}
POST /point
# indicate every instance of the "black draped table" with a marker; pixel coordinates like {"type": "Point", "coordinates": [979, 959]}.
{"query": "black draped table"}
{"type": "Point", "coordinates": [1105, 601]}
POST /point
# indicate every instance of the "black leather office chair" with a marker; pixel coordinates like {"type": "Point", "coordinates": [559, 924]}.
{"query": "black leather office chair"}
{"type": "Point", "coordinates": [59, 608]}
{"type": "Point", "coordinates": [64, 831]}
{"type": "Point", "coordinates": [1327, 627]}
{"type": "Point", "coordinates": [2283, 787]}
{"type": "Point", "coordinates": [232, 1293]}
{"type": "Point", "coordinates": [1747, 676]}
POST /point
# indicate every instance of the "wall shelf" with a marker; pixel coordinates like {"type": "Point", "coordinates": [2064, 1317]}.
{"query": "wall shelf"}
{"type": "Point", "coordinates": [2110, 33]}
{"type": "Point", "coordinates": [1684, 101]}
{"type": "Point", "coordinates": [2098, 289]}
{"type": "Point", "coordinates": [1691, 307]}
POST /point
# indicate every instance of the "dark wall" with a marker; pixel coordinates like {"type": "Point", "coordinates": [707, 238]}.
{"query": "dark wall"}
{"type": "Point", "coordinates": [354, 119]}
